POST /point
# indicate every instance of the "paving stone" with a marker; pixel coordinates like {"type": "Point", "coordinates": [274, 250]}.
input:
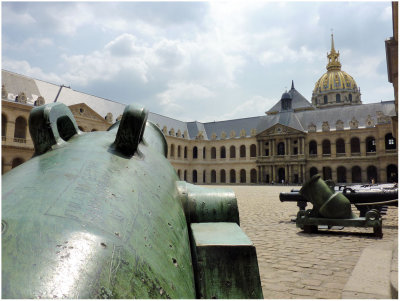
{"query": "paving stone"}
{"type": "Point", "coordinates": [275, 287]}
{"type": "Point", "coordinates": [311, 282]}
{"type": "Point", "coordinates": [333, 285]}
{"type": "Point", "coordinates": [308, 266]}
{"type": "Point", "coordinates": [302, 292]}
{"type": "Point", "coordinates": [305, 265]}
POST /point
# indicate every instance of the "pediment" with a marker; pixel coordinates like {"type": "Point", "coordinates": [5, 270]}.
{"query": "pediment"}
{"type": "Point", "coordinates": [279, 129]}
{"type": "Point", "coordinates": [83, 110]}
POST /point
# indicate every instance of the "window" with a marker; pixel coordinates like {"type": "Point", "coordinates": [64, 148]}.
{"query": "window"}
{"type": "Point", "coordinates": [232, 151]}
{"type": "Point", "coordinates": [391, 171]}
{"type": "Point", "coordinates": [390, 141]}
{"type": "Point", "coordinates": [242, 151]}
{"type": "Point", "coordinates": [3, 125]}
{"type": "Point", "coordinates": [222, 176]}
{"type": "Point", "coordinates": [372, 174]}
{"type": "Point", "coordinates": [326, 147]}
{"type": "Point", "coordinates": [16, 162]}
{"type": "Point", "coordinates": [325, 99]}
{"type": "Point", "coordinates": [253, 152]}
{"type": "Point", "coordinates": [341, 174]}
{"type": "Point", "coordinates": [350, 97]}
{"type": "Point", "coordinates": [253, 175]}
{"type": "Point", "coordinates": [232, 175]}
{"type": "Point", "coordinates": [355, 145]}
{"type": "Point", "coordinates": [281, 149]}
{"type": "Point", "coordinates": [313, 171]}
{"type": "Point", "coordinates": [213, 153]}
{"type": "Point", "coordinates": [213, 176]}
{"type": "Point", "coordinates": [195, 155]}
{"type": "Point", "coordinates": [312, 147]}
{"type": "Point", "coordinates": [340, 146]}
{"type": "Point", "coordinates": [370, 143]}
{"type": "Point", "coordinates": [242, 176]}
{"type": "Point", "coordinates": [20, 128]}
{"type": "Point", "coordinates": [223, 152]}
{"type": "Point", "coordinates": [326, 173]}
{"type": "Point", "coordinates": [356, 174]}
{"type": "Point", "coordinates": [337, 98]}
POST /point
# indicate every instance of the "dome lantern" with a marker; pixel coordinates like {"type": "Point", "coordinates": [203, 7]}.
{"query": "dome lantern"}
{"type": "Point", "coordinates": [333, 58]}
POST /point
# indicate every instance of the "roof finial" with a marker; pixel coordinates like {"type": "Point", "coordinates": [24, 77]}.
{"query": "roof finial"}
{"type": "Point", "coordinates": [292, 85]}
{"type": "Point", "coordinates": [332, 43]}
{"type": "Point", "coordinates": [333, 57]}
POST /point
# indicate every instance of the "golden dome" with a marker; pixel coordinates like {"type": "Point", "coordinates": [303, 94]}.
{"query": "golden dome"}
{"type": "Point", "coordinates": [335, 78]}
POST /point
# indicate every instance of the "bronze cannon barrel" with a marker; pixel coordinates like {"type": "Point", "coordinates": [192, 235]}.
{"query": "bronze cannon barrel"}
{"type": "Point", "coordinates": [104, 215]}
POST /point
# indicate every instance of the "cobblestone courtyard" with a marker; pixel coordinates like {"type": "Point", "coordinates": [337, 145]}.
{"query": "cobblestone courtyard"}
{"type": "Point", "coordinates": [298, 265]}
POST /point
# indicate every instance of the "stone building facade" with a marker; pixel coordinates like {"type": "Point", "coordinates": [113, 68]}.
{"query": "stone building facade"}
{"type": "Point", "coordinates": [338, 137]}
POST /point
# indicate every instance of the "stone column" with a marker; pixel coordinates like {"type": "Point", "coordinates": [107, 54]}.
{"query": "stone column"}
{"type": "Point", "coordinates": [348, 175]}
{"type": "Point", "coordinates": [10, 129]}
{"type": "Point", "coordinates": [364, 177]}
{"type": "Point", "coordinates": [363, 148]}
{"type": "Point", "coordinates": [263, 174]}
{"type": "Point", "coordinates": [334, 175]}
{"type": "Point", "coordinates": [302, 145]}
{"type": "Point", "coordinates": [273, 151]}
{"type": "Point", "coordinates": [319, 149]}
{"type": "Point", "coordinates": [333, 149]}
{"type": "Point", "coordinates": [286, 172]}
{"type": "Point", "coordinates": [382, 177]}
{"type": "Point", "coordinates": [286, 147]}
{"type": "Point", "coordinates": [289, 147]}
{"type": "Point", "coordinates": [347, 148]}
{"type": "Point", "coordinates": [259, 174]}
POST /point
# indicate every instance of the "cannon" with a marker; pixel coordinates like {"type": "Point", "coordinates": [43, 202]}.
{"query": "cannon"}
{"type": "Point", "coordinates": [363, 197]}
{"type": "Point", "coordinates": [104, 215]}
{"type": "Point", "coordinates": [330, 208]}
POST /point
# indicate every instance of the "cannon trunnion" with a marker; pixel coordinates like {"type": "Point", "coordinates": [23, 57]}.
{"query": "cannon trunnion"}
{"type": "Point", "coordinates": [104, 215]}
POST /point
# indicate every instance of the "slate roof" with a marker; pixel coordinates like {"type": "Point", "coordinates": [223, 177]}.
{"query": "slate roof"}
{"type": "Point", "coordinates": [297, 119]}
{"type": "Point", "coordinates": [227, 126]}
{"type": "Point", "coordinates": [298, 102]}
{"type": "Point", "coordinates": [170, 123]}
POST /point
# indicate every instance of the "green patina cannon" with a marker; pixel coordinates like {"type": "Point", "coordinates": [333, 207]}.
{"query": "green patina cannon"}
{"type": "Point", "coordinates": [332, 208]}
{"type": "Point", "coordinates": [104, 215]}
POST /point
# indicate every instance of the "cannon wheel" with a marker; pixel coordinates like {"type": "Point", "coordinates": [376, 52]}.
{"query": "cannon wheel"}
{"type": "Point", "coordinates": [310, 229]}
{"type": "Point", "coordinates": [378, 232]}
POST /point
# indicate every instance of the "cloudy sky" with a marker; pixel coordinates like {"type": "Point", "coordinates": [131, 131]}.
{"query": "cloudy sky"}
{"type": "Point", "coordinates": [197, 60]}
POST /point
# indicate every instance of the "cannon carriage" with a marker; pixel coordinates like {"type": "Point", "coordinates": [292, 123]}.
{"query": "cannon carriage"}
{"type": "Point", "coordinates": [332, 204]}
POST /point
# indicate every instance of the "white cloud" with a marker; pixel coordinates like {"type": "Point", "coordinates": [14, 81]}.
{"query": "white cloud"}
{"type": "Point", "coordinates": [24, 68]}
{"type": "Point", "coordinates": [184, 92]}
{"type": "Point", "coordinates": [124, 45]}
{"type": "Point", "coordinates": [367, 67]}
{"type": "Point", "coordinates": [9, 16]}
{"type": "Point", "coordinates": [255, 106]}
{"type": "Point", "coordinates": [286, 54]}
{"type": "Point", "coordinates": [386, 14]}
